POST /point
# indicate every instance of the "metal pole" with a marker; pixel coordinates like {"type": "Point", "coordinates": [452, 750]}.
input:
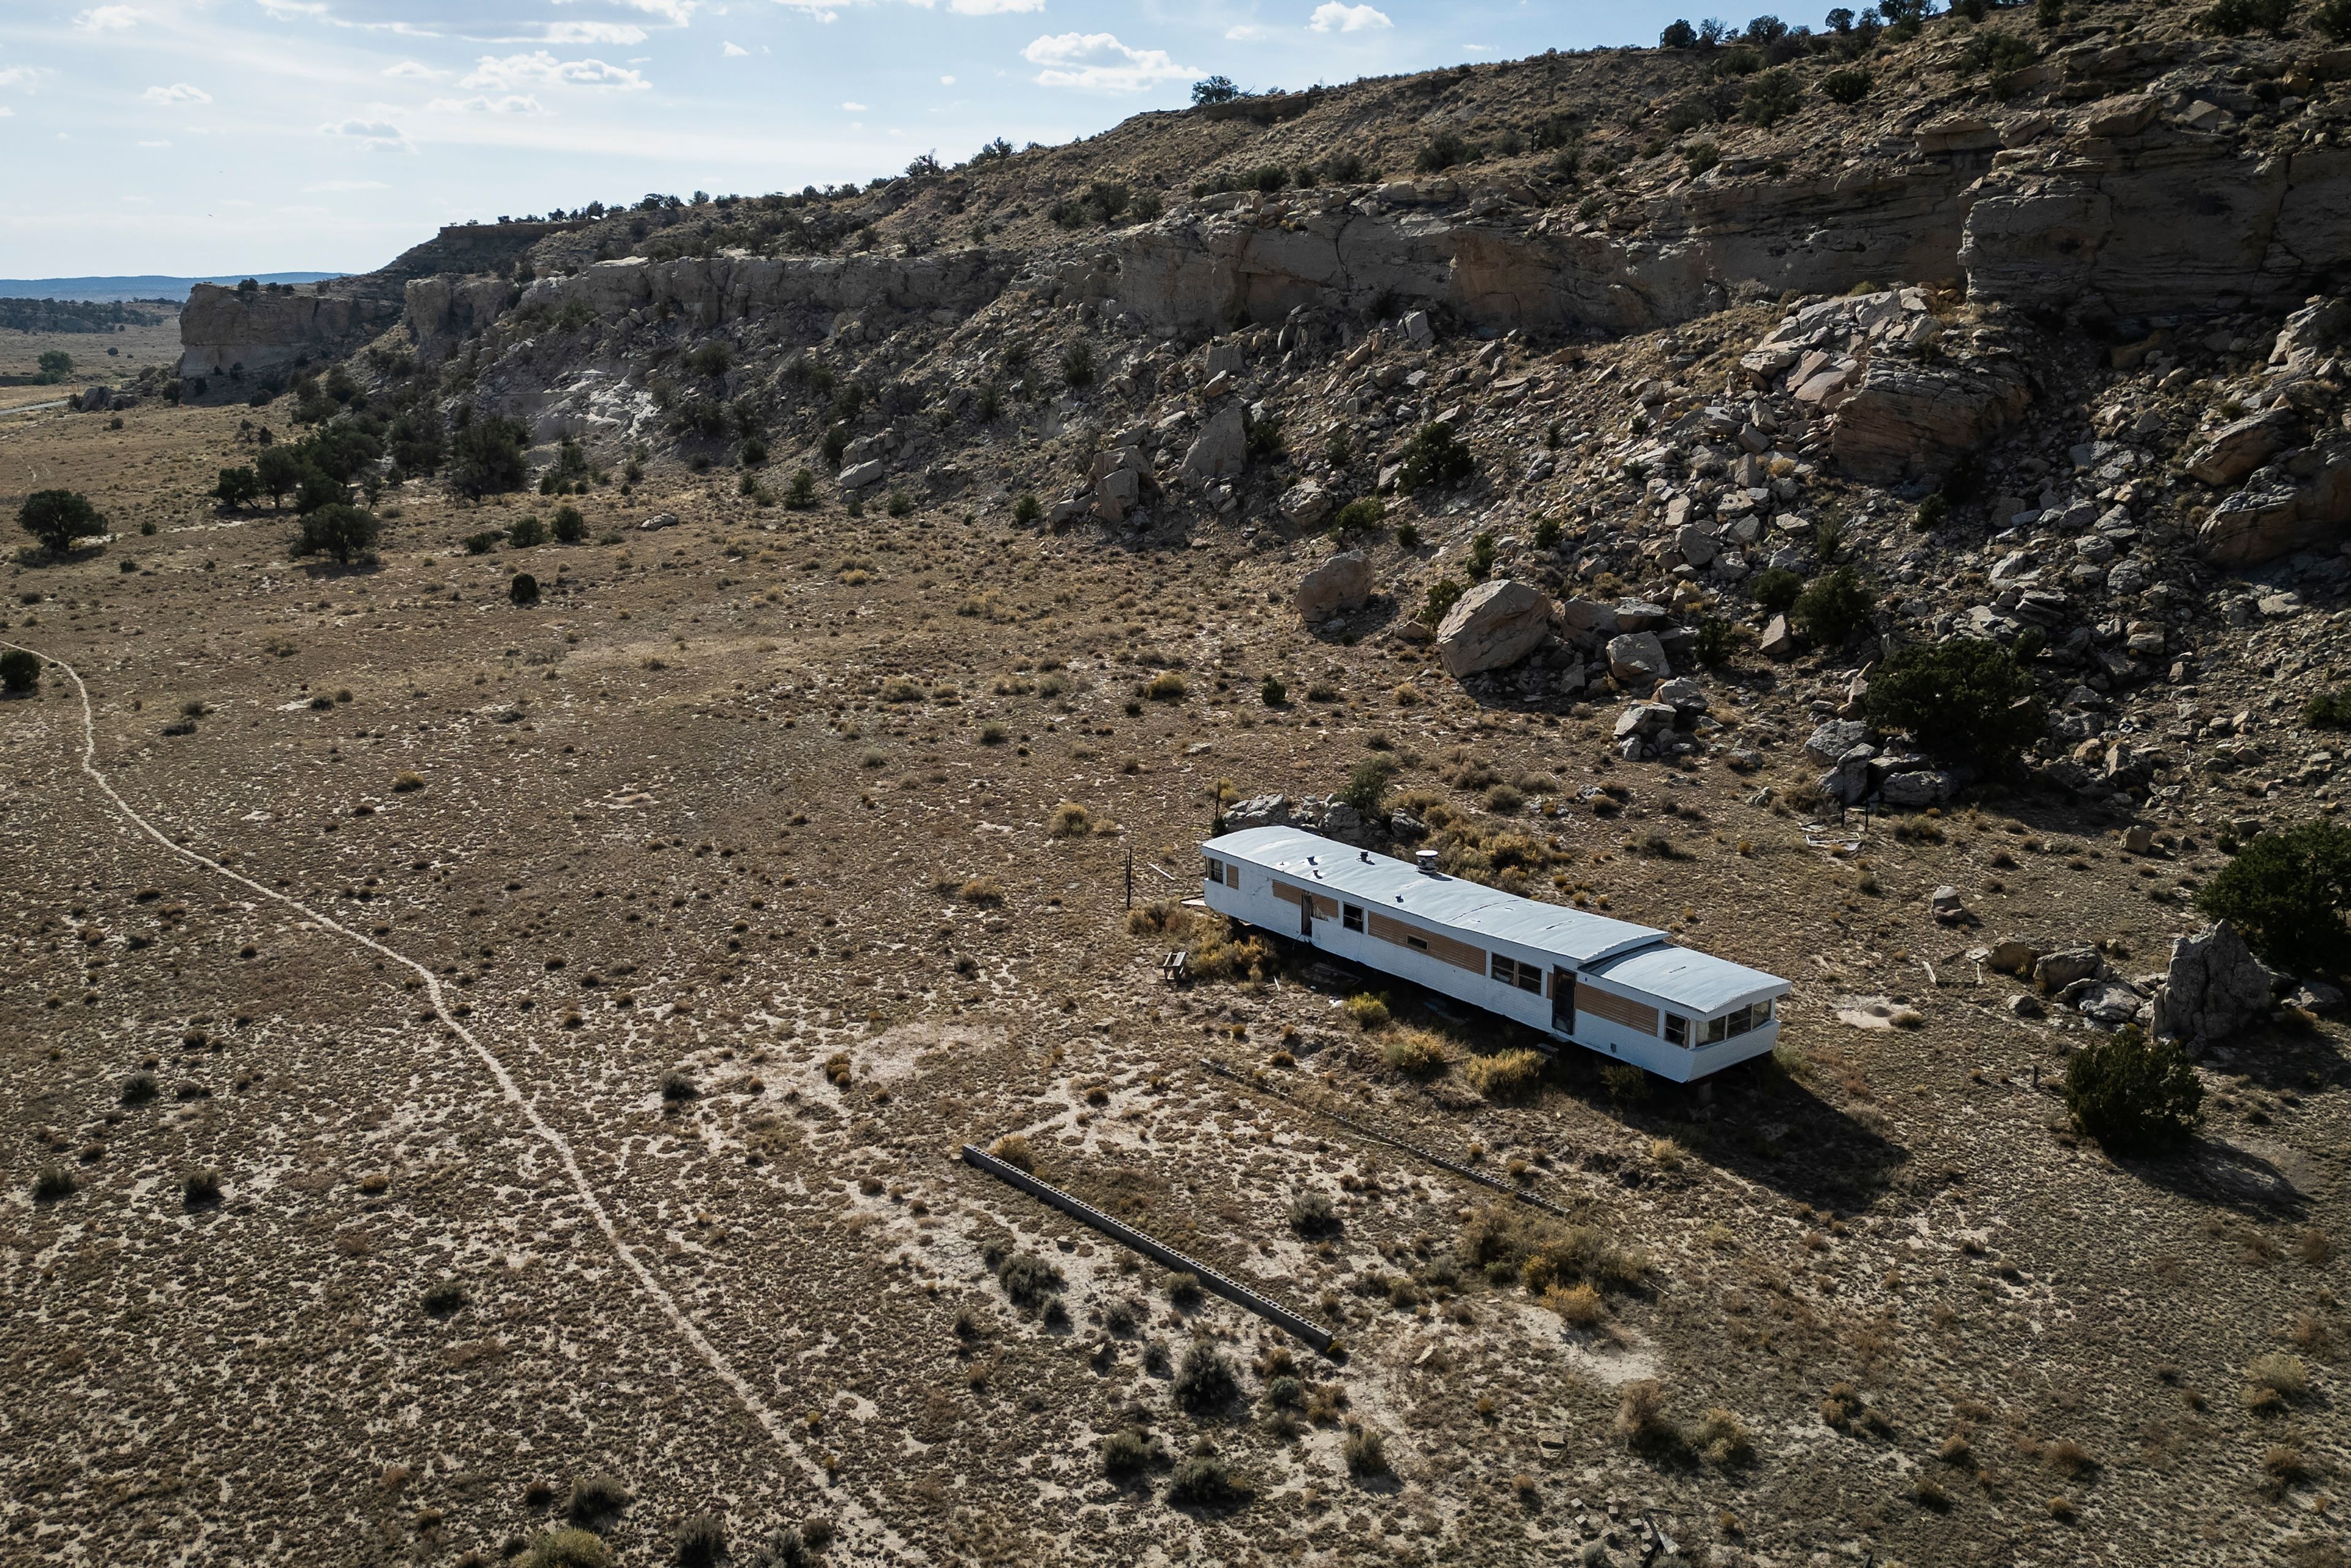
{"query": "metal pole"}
{"type": "Point", "coordinates": [1130, 875]}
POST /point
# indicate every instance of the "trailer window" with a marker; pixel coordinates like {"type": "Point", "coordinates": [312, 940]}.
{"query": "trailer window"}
{"type": "Point", "coordinates": [1351, 916]}
{"type": "Point", "coordinates": [1232, 873]}
{"type": "Point", "coordinates": [1677, 1029]}
{"type": "Point", "coordinates": [1215, 869]}
{"type": "Point", "coordinates": [1419, 941]}
{"type": "Point", "coordinates": [1525, 976]}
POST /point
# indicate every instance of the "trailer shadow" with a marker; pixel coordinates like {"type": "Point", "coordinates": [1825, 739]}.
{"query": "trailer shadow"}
{"type": "Point", "coordinates": [1754, 1122]}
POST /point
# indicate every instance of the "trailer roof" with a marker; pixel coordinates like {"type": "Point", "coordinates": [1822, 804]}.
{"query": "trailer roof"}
{"type": "Point", "coordinates": [1638, 956]}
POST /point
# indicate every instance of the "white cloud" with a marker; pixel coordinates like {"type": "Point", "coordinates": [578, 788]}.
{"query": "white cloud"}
{"type": "Point", "coordinates": [1099, 61]}
{"type": "Point", "coordinates": [1332, 17]}
{"type": "Point", "coordinates": [853, 107]}
{"type": "Point", "coordinates": [990, 7]}
{"type": "Point", "coordinates": [345, 185]}
{"type": "Point", "coordinates": [294, 7]}
{"type": "Point", "coordinates": [20, 75]}
{"type": "Point", "coordinates": [107, 18]}
{"type": "Point", "coordinates": [675, 12]}
{"type": "Point", "coordinates": [178, 92]}
{"type": "Point", "coordinates": [409, 71]}
{"type": "Point", "coordinates": [8, 113]}
{"type": "Point", "coordinates": [947, 81]}
{"type": "Point", "coordinates": [166, 142]}
{"type": "Point", "coordinates": [733, 50]}
{"type": "Point", "coordinates": [371, 133]}
{"type": "Point", "coordinates": [1247, 33]}
{"type": "Point", "coordinates": [594, 33]}
{"type": "Point", "coordinates": [539, 69]}
{"type": "Point", "coordinates": [509, 103]}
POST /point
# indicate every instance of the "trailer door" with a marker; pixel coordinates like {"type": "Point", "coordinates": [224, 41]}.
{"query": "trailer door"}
{"type": "Point", "coordinates": [1562, 1000]}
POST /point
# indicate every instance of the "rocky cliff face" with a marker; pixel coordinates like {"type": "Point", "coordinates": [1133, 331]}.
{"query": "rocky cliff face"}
{"type": "Point", "coordinates": [230, 336]}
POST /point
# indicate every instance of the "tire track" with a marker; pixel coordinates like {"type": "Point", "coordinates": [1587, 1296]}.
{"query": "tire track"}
{"type": "Point", "coordinates": [857, 1523]}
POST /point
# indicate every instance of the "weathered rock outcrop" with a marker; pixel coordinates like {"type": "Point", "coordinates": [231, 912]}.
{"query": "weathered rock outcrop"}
{"type": "Point", "coordinates": [713, 290]}
{"type": "Point", "coordinates": [2282, 510]}
{"type": "Point", "coordinates": [256, 334]}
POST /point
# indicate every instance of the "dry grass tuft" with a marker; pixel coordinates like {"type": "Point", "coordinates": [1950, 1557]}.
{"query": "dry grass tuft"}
{"type": "Point", "coordinates": [1013, 1150]}
{"type": "Point", "coordinates": [1507, 1075]}
{"type": "Point", "coordinates": [1414, 1052]}
{"type": "Point", "coordinates": [1069, 821]}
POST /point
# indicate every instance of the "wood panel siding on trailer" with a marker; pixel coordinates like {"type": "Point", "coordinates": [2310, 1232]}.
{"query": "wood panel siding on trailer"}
{"type": "Point", "coordinates": [1459, 954]}
{"type": "Point", "coordinates": [1617, 1009]}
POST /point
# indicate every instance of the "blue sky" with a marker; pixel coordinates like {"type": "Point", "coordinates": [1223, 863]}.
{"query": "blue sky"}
{"type": "Point", "coordinates": [202, 136]}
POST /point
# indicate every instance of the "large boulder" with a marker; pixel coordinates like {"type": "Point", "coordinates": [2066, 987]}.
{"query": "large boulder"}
{"type": "Point", "coordinates": [1638, 660]}
{"type": "Point", "coordinates": [1116, 493]}
{"type": "Point", "coordinates": [1494, 624]}
{"type": "Point", "coordinates": [1306, 505]}
{"type": "Point", "coordinates": [1832, 739]}
{"type": "Point", "coordinates": [2236, 450]}
{"type": "Point", "coordinates": [1914, 420]}
{"type": "Point", "coordinates": [2264, 521]}
{"type": "Point", "coordinates": [1338, 585]}
{"type": "Point", "coordinates": [2214, 988]}
{"type": "Point", "coordinates": [1221, 449]}
{"type": "Point", "coordinates": [857, 475]}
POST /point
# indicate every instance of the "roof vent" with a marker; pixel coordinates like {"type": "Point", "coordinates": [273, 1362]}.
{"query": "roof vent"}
{"type": "Point", "coordinates": [1426, 861]}
{"type": "Point", "coordinates": [1367, 857]}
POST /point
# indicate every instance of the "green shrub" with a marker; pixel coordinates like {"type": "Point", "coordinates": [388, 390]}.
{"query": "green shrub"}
{"type": "Point", "coordinates": [567, 1549]}
{"type": "Point", "coordinates": [1127, 1452]}
{"type": "Point", "coordinates": [1441, 152]}
{"type": "Point", "coordinates": [1271, 692]}
{"type": "Point", "coordinates": [526, 532]}
{"type": "Point", "coordinates": [1408, 536]}
{"type": "Point", "coordinates": [483, 542]}
{"type": "Point", "coordinates": [1313, 1215]}
{"type": "Point", "coordinates": [1203, 1481]}
{"type": "Point", "coordinates": [1366, 1453]}
{"type": "Point", "coordinates": [444, 1297]}
{"type": "Point", "coordinates": [2285, 893]}
{"type": "Point", "coordinates": [800, 494]}
{"type": "Point", "coordinates": [1547, 532]}
{"type": "Point", "coordinates": [1262, 438]}
{"type": "Point", "coordinates": [1078, 364]}
{"type": "Point", "coordinates": [1443, 594]}
{"type": "Point", "coordinates": [57, 517]}
{"type": "Point", "coordinates": [1776, 589]}
{"type": "Point", "coordinates": [1434, 456]}
{"type": "Point", "coordinates": [1205, 1378]}
{"type": "Point", "coordinates": [1367, 785]}
{"type": "Point", "coordinates": [1962, 700]}
{"type": "Point", "coordinates": [596, 1498]}
{"type": "Point", "coordinates": [1700, 156]}
{"type": "Point", "coordinates": [2133, 1094]}
{"type": "Point", "coordinates": [901, 504]}
{"type": "Point", "coordinates": [1713, 642]}
{"type": "Point", "coordinates": [2235, 18]}
{"type": "Point", "coordinates": [701, 1541]}
{"type": "Point", "coordinates": [200, 1189]}
{"type": "Point", "coordinates": [1364, 512]}
{"type": "Point", "coordinates": [570, 527]}
{"type": "Point", "coordinates": [486, 456]}
{"type": "Point", "coordinates": [2333, 18]}
{"type": "Point", "coordinates": [1771, 98]}
{"type": "Point", "coordinates": [1029, 1281]}
{"type": "Point", "coordinates": [2329, 710]}
{"type": "Point", "coordinates": [524, 588]}
{"type": "Point", "coordinates": [340, 529]}
{"type": "Point", "coordinates": [19, 671]}
{"type": "Point", "coordinates": [1831, 609]}
{"type": "Point", "coordinates": [53, 1184]}
{"type": "Point", "coordinates": [1848, 86]}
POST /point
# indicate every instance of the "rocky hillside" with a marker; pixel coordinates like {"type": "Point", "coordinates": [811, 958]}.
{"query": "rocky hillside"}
{"type": "Point", "coordinates": [2004, 329]}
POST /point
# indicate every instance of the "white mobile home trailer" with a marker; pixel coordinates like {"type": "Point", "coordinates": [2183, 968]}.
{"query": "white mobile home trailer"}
{"type": "Point", "coordinates": [1609, 986]}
